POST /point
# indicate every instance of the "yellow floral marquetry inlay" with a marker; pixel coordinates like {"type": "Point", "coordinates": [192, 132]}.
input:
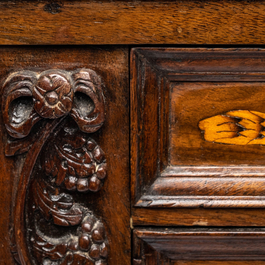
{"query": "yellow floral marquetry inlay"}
{"type": "Point", "coordinates": [238, 127]}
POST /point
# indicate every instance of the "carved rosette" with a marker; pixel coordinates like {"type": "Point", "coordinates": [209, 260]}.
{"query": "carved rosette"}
{"type": "Point", "coordinates": [61, 159]}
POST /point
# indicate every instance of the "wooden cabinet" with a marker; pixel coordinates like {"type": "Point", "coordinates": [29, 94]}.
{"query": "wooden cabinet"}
{"type": "Point", "coordinates": [126, 138]}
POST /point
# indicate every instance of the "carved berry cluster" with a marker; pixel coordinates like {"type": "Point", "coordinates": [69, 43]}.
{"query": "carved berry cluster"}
{"type": "Point", "coordinates": [89, 246]}
{"type": "Point", "coordinates": [92, 239]}
{"type": "Point", "coordinates": [77, 163]}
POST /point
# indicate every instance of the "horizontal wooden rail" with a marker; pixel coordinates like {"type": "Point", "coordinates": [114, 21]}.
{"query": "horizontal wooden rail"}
{"type": "Point", "coordinates": [123, 22]}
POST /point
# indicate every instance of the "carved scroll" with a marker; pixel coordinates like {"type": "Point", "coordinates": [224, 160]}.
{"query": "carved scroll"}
{"type": "Point", "coordinates": [236, 127]}
{"type": "Point", "coordinates": [62, 159]}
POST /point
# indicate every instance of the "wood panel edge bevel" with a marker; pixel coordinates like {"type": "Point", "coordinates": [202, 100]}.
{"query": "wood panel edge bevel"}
{"type": "Point", "coordinates": [203, 244]}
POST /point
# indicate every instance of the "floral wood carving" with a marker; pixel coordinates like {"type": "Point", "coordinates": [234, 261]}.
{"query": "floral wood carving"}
{"type": "Point", "coordinates": [236, 127]}
{"type": "Point", "coordinates": [61, 159]}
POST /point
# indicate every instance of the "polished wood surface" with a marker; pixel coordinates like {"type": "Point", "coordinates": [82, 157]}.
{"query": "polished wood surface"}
{"type": "Point", "coordinates": [191, 103]}
{"type": "Point", "coordinates": [197, 217]}
{"type": "Point", "coordinates": [132, 22]}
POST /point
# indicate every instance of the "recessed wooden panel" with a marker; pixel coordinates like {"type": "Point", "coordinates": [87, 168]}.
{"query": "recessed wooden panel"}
{"type": "Point", "coordinates": [197, 130]}
{"type": "Point", "coordinates": [194, 102]}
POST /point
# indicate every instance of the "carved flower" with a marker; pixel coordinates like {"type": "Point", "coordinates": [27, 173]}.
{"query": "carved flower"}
{"type": "Point", "coordinates": [53, 95]}
{"type": "Point", "coordinates": [77, 163]}
{"type": "Point", "coordinates": [29, 97]}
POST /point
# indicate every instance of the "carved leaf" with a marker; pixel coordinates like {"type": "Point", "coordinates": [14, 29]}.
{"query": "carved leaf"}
{"type": "Point", "coordinates": [45, 248]}
{"type": "Point", "coordinates": [20, 146]}
{"type": "Point", "coordinates": [238, 127]}
{"type": "Point", "coordinates": [88, 109]}
{"type": "Point", "coordinates": [18, 107]}
{"type": "Point", "coordinates": [58, 207]}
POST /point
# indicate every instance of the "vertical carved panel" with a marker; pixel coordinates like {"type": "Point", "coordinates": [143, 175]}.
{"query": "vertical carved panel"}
{"type": "Point", "coordinates": [62, 160]}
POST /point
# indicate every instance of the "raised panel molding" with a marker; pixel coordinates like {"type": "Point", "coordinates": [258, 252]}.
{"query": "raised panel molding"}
{"type": "Point", "coordinates": [175, 160]}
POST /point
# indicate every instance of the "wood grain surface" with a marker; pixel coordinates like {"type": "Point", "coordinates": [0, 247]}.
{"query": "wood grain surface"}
{"type": "Point", "coordinates": [132, 22]}
{"type": "Point", "coordinates": [170, 23]}
{"type": "Point", "coordinates": [197, 217]}
{"type": "Point", "coordinates": [193, 102]}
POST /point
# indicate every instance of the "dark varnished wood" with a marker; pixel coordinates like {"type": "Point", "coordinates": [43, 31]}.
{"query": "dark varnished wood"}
{"type": "Point", "coordinates": [66, 211]}
{"type": "Point", "coordinates": [133, 22]}
{"type": "Point", "coordinates": [172, 164]}
{"type": "Point", "coordinates": [180, 162]}
{"type": "Point", "coordinates": [153, 246]}
{"type": "Point", "coordinates": [197, 217]}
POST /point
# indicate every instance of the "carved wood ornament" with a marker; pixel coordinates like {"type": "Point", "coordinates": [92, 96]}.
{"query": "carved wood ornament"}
{"type": "Point", "coordinates": [61, 161]}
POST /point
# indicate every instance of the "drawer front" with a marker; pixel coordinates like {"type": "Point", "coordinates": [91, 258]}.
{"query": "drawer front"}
{"type": "Point", "coordinates": [64, 156]}
{"type": "Point", "coordinates": [197, 128]}
{"type": "Point", "coordinates": [197, 154]}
